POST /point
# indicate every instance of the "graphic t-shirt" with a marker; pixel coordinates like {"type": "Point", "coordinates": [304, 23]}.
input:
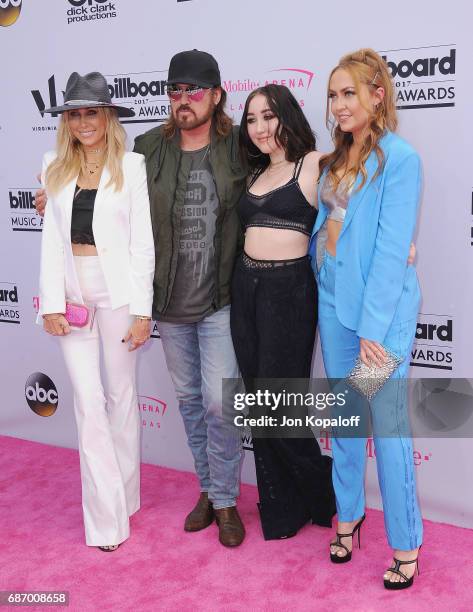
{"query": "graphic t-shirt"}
{"type": "Point", "coordinates": [193, 288]}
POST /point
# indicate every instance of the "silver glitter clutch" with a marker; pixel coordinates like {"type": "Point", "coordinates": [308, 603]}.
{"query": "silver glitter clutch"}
{"type": "Point", "coordinates": [368, 380]}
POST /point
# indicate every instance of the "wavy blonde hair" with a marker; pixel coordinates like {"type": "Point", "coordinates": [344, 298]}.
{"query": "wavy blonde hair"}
{"type": "Point", "coordinates": [70, 158]}
{"type": "Point", "coordinates": [367, 68]}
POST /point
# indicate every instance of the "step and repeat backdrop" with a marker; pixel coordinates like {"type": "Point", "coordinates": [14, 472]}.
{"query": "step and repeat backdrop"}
{"type": "Point", "coordinates": [429, 51]}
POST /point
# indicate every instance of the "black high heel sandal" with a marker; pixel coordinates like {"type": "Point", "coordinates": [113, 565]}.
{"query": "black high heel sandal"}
{"type": "Point", "coordinates": [397, 586]}
{"type": "Point", "coordinates": [103, 549]}
{"type": "Point", "coordinates": [334, 558]}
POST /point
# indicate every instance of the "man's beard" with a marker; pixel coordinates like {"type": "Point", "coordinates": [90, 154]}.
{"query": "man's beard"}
{"type": "Point", "coordinates": [190, 122]}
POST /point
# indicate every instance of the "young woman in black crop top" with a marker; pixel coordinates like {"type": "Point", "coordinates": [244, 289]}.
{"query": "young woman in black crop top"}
{"type": "Point", "coordinates": [274, 303]}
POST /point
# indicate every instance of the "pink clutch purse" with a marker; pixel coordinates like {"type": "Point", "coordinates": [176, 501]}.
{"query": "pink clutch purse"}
{"type": "Point", "coordinates": [77, 315]}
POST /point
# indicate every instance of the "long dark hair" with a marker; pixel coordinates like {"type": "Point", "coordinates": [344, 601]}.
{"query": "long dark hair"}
{"type": "Point", "coordinates": [293, 133]}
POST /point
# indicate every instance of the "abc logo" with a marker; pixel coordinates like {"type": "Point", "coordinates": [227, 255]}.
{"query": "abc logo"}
{"type": "Point", "coordinates": [81, 2]}
{"type": "Point", "coordinates": [41, 394]}
{"type": "Point", "coordinates": [9, 11]}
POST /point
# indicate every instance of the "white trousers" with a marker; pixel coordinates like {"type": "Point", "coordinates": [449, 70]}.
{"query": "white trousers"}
{"type": "Point", "coordinates": [108, 423]}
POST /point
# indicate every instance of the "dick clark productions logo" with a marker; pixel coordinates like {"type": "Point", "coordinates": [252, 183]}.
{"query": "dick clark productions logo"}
{"type": "Point", "coordinates": [90, 10]}
{"type": "Point", "coordinates": [9, 11]}
{"type": "Point", "coordinates": [41, 394]}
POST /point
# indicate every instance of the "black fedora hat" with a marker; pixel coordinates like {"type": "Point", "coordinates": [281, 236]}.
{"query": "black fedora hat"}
{"type": "Point", "coordinates": [88, 91]}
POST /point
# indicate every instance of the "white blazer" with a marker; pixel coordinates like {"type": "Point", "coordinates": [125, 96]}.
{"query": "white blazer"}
{"type": "Point", "coordinates": [123, 237]}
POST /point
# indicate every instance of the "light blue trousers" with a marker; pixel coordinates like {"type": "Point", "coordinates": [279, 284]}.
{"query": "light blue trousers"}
{"type": "Point", "coordinates": [388, 411]}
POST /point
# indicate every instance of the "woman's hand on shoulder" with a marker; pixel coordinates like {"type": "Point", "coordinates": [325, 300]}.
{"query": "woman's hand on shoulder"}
{"type": "Point", "coordinates": [309, 176]}
{"type": "Point", "coordinates": [56, 324]}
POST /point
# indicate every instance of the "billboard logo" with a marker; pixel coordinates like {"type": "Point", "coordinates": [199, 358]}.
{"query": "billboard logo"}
{"type": "Point", "coordinates": [431, 331]}
{"type": "Point", "coordinates": [433, 346]}
{"type": "Point", "coordinates": [23, 215]}
{"type": "Point", "coordinates": [9, 306]}
{"type": "Point", "coordinates": [146, 91]}
{"type": "Point", "coordinates": [424, 77]}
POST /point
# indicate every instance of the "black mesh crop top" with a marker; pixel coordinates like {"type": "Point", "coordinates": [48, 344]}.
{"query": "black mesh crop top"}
{"type": "Point", "coordinates": [82, 215]}
{"type": "Point", "coordinates": [282, 208]}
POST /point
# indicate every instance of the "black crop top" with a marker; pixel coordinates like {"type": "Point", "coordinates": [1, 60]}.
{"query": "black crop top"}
{"type": "Point", "coordinates": [82, 215]}
{"type": "Point", "coordinates": [282, 208]}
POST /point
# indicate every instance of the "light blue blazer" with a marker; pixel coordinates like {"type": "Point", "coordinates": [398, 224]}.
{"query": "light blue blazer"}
{"type": "Point", "coordinates": [375, 288]}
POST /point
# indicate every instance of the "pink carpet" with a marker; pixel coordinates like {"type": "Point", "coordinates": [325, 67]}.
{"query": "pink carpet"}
{"type": "Point", "coordinates": [163, 568]}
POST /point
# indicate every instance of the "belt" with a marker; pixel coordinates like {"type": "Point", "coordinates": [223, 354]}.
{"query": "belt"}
{"type": "Point", "coordinates": [265, 264]}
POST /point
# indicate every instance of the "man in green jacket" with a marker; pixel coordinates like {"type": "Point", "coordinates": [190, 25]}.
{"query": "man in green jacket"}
{"type": "Point", "coordinates": [195, 178]}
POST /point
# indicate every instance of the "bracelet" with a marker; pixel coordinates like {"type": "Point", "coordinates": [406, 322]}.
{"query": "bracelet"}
{"type": "Point", "coordinates": [140, 318]}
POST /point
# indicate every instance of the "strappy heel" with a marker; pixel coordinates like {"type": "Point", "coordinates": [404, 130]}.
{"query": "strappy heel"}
{"type": "Point", "coordinates": [334, 558]}
{"type": "Point", "coordinates": [102, 548]}
{"type": "Point", "coordinates": [397, 586]}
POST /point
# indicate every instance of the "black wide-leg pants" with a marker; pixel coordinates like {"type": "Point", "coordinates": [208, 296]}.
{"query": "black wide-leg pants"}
{"type": "Point", "coordinates": [273, 324]}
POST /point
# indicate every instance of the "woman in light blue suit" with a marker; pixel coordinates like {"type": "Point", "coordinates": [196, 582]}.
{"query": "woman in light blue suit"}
{"type": "Point", "coordinates": [369, 296]}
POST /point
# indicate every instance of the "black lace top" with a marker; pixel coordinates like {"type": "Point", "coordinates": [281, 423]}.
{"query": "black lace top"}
{"type": "Point", "coordinates": [282, 208]}
{"type": "Point", "coordinates": [82, 215]}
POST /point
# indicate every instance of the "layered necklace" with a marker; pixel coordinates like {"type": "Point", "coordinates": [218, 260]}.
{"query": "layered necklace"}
{"type": "Point", "coordinates": [93, 166]}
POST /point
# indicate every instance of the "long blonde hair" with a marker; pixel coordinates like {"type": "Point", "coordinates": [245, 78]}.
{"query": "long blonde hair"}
{"type": "Point", "coordinates": [70, 158]}
{"type": "Point", "coordinates": [366, 67]}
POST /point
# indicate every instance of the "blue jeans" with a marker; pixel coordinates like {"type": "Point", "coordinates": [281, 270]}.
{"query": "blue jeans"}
{"type": "Point", "coordinates": [394, 452]}
{"type": "Point", "coordinates": [198, 356]}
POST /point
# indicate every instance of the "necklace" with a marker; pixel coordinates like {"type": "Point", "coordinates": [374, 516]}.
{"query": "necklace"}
{"type": "Point", "coordinates": [91, 173]}
{"type": "Point", "coordinates": [206, 152]}
{"type": "Point", "coordinates": [276, 165]}
{"type": "Point", "coordinates": [194, 152]}
{"type": "Point", "coordinates": [92, 167]}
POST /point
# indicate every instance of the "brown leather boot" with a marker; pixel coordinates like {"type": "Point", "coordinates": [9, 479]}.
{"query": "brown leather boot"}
{"type": "Point", "coordinates": [201, 516]}
{"type": "Point", "coordinates": [231, 531]}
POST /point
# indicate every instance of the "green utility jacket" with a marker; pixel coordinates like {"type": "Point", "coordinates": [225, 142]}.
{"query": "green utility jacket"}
{"type": "Point", "coordinates": [167, 171]}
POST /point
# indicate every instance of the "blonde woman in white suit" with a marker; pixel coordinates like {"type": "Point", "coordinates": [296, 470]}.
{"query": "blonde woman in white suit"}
{"type": "Point", "coordinates": [97, 249]}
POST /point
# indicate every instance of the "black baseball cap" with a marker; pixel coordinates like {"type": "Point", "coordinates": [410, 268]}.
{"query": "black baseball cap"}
{"type": "Point", "coordinates": [194, 68]}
